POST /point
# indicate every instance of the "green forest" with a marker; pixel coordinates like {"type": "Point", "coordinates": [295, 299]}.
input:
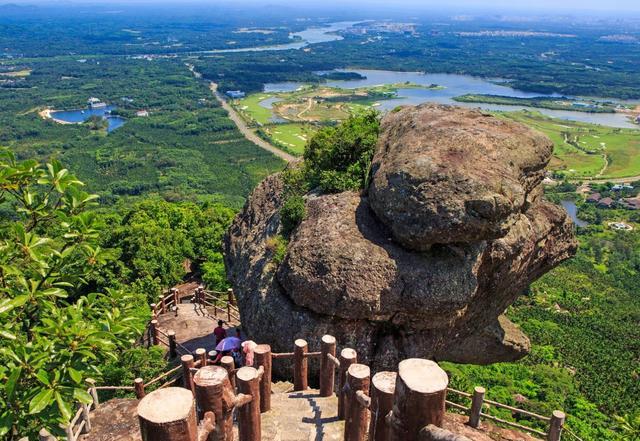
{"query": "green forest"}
{"type": "Point", "coordinates": [94, 225]}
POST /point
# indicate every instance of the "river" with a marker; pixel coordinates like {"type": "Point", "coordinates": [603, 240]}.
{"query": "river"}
{"type": "Point", "coordinates": [572, 210]}
{"type": "Point", "coordinates": [455, 85]}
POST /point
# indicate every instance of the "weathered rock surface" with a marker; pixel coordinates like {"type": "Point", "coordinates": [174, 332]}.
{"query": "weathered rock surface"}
{"type": "Point", "coordinates": [446, 175]}
{"type": "Point", "coordinates": [420, 265]}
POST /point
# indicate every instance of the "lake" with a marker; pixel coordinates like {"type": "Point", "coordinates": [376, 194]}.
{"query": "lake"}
{"type": "Point", "coordinates": [572, 209]}
{"type": "Point", "coordinates": [456, 85]}
{"type": "Point", "coordinates": [302, 39]}
{"type": "Point", "coordinates": [82, 115]}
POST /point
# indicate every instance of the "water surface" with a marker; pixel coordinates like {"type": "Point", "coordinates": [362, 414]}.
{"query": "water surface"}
{"type": "Point", "coordinates": [82, 115]}
{"type": "Point", "coordinates": [572, 210]}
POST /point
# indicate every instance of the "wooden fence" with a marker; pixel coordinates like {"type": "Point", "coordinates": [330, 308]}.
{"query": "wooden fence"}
{"type": "Point", "coordinates": [389, 406]}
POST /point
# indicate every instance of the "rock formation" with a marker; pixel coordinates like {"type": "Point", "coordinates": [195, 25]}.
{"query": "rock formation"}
{"type": "Point", "coordinates": [424, 262]}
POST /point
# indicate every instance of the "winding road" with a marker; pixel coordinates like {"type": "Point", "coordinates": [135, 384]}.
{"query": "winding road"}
{"type": "Point", "coordinates": [244, 129]}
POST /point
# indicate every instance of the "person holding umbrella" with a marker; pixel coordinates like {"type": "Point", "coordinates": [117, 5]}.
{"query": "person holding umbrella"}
{"type": "Point", "coordinates": [219, 332]}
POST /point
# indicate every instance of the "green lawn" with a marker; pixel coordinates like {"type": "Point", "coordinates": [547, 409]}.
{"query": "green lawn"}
{"type": "Point", "coordinates": [250, 106]}
{"type": "Point", "coordinates": [585, 155]}
{"type": "Point", "coordinates": [293, 136]}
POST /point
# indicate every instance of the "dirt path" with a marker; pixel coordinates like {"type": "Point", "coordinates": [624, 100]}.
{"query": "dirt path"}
{"type": "Point", "coordinates": [245, 130]}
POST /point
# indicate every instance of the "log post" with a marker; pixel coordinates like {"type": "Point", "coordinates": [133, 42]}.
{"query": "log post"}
{"type": "Point", "coordinates": [86, 417]}
{"type": "Point", "coordinates": [154, 313]}
{"type": "Point", "coordinates": [138, 386]}
{"type": "Point", "coordinates": [228, 312]}
{"type": "Point", "coordinates": [476, 406]}
{"type": "Point", "coordinates": [355, 425]}
{"type": "Point", "coordinates": [173, 353]}
{"type": "Point", "coordinates": [93, 392]}
{"type": "Point", "coordinates": [201, 354]}
{"type": "Point", "coordinates": [262, 353]}
{"type": "Point", "coordinates": [44, 435]}
{"type": "Point", "coordinates": [229, 365]}
{"type": "Point", "coordinates": [348, 356]}
{"type": "Point", "coordinates": [419, 398]}
{"type": "Point", "coordinates": [163, 304]}
{"type": "Point", "coordinates": [383, 385]}
{"type": "Point", "coordinates": [249, 415]}
{"type": "Point", "coordinates": [555, 425]}
{"type": "Point", "coordinates": [153, 327]}
{"type": "Point", "coordinates": [300, 365]}
{"type": "Point", "coordinates": [327, 368]}
{"type": "Point", "coordinates": [187, 364]}
{"type": "Point", "coordinates": [214, 393]}
{"type": "Point", "coordinates": [168, 415]}
{"type": "Point", "coordinates": [230, 297]}
{"type": "Point", "coordinates": [176, 296]}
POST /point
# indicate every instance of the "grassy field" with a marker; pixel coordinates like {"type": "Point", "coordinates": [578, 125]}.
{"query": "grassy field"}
{"type": "Point", "coordinates": [251, 107]}
{"type": "Point", "coordinates": [587, 150]}
{"type": "Point", "coordinates": [292, 136]}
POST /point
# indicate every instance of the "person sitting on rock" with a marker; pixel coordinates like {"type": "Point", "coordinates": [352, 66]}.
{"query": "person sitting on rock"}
{"type": "Point", "coordinates": [219, 332]}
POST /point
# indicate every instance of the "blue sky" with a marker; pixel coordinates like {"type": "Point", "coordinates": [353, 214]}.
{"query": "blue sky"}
{"type": "Point", "coordinates": [475, 5]}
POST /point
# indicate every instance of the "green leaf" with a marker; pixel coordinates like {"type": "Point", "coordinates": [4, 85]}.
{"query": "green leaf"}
{"type": "Point", "coordinates": [41, 401]}
{"type": "Point", "coordinates": [43, 377]}
{"type": "Point", "coordinates": [6, 422]}
{"type": "Point", "coordinates": [7, 334]}
{"type": "Point", "coordinates": [13, 303]}
{"type": "Point", "coordinates": [75, 375]}
{"type": "Point", "coordinates": [12, 381]}
{"type": "Point", "coordinates": [64, 407]}
{"type": "Point", "coordinates": [82, 396]}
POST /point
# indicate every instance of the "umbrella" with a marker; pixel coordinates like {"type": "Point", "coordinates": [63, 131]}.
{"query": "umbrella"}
{"type": "Point", "coordinates": [228, 344]}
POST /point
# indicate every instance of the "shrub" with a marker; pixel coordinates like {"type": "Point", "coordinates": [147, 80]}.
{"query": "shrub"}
{"type": "Point", "coordinates": [292, 212]}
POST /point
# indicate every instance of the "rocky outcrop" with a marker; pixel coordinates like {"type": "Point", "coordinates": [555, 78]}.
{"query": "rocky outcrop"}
{"type": "Point", "coordinates": [424, 262]}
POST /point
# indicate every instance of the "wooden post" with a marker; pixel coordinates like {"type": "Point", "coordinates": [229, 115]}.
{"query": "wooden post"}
{"type": "Point", "coordinates": [153, 311]}
{"type": "Point", "coordinates": [176, 296]}
{"type": "Point", "coordinates": [163, 304]}
{"type": "Point", "coordinates": [227, 363]}
{"type": "Point", "coordinates": [555, 425]}
{"type": "Point", "coordinates": [383, 385]}
{"type": "Point", "coordinates": [214, 393]}
{"type": "Point", "coordinates": [262, 354]}
{"type": "Point", "coordinates": [153, 327]}
{"type": "Point", "coordinates": [44, 435]}
{"type": "Point", "coordinates": [228, 312]}
{"type": "Point", "coordinates": [419, 398]}
{"type": "Point", "coordinates": [187, 364]}
{"type": "Point", "coordinates": [173, 352]}
{"type": "Point", "coordinates": [86, 417]}
{"type": "Point", "coordinates": [476, 406]}
{"type": "Point", "coordinates": [93, 392]}
{"type": "Point", "coordinates": [355, 426]}
{"type": "Point", "coordinates": [249, 415]}
{"type": "Point", "coordinates": [201, 354]}
{"type": "Point", "coordinates": [138, 387]}
{"type": "Point", "coordinates": [168, 415]}
{"type": "Point", "coordinates": [327, 368]}
{"type": "Point", "coordinates": [230, 297]}
{"type": "Point", "coordinates": [300, 365]}
{"type": "Point", "coordinates": [348, 356]}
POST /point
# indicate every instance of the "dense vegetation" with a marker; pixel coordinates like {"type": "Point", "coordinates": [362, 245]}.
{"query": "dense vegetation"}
{"type": "Point", "coordinates": [186, 149]}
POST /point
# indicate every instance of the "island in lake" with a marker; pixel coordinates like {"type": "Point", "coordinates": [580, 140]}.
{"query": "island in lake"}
{"type": "Point", "coordinates": [545, 102]}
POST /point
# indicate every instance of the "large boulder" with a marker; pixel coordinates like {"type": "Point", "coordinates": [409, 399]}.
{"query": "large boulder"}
{"type": "Point", "coordinates": [448, 175]}
{"type": "Point", "coordinates": [392, 291]}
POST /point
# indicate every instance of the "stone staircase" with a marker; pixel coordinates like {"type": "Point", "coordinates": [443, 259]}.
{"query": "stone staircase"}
{"type": "Point", "coordinates": [302, 416]}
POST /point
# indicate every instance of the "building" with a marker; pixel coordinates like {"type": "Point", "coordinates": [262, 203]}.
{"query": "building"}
{"type": "Point", "coordinates": [620, 187]}
{"type": "Point", "coordinates": [606, 203]}
{"type": "Point", "coordinates": [631, 203]}
{"type": "Point", "coordinates": [95, 103]}
{"type": "Point", "coordinates": [235, 94]}
{"type": "Point", "coordinates": [594, 198]}
{"type": "Point", "coordinates": [142, 113]}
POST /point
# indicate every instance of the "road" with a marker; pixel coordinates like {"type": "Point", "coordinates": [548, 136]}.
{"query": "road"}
{"type": "Point", "coordinates": [245, 130]}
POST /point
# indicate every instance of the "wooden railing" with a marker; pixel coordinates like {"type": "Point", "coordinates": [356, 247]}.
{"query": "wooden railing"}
{"type": "Point", "coordinates": [364, 402]}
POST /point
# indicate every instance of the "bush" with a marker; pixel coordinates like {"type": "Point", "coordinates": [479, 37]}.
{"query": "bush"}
{"type": "Point", "coordinates": [292, 213]}
{"type": "Point", "coordinates": [277, 245]}
{"type": "Point", "coordinates": [339, 158]}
